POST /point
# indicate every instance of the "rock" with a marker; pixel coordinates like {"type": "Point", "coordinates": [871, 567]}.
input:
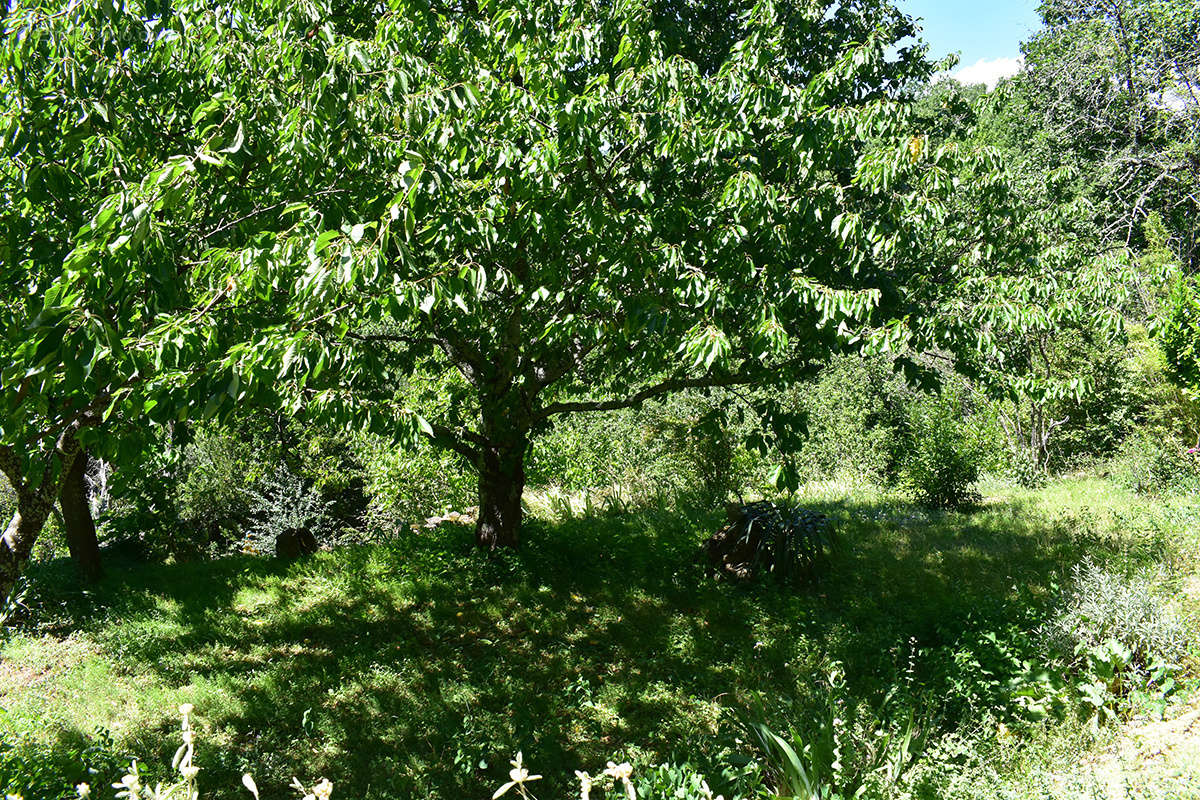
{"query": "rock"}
{"type": "Point", "coordinates": [295, 542]}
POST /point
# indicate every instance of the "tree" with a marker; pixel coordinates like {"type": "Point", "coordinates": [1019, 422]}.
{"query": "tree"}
{"type": "Point", "coordinates": [570, 217]}
{"type": "Point", "coordinates": [122, 167]}
{"type": "Point", "coordinates": [1109, 90]}
{"type": "Point", "coordinates": [308, 203]}
{"type": "Point", "coordinates": [76, 130]}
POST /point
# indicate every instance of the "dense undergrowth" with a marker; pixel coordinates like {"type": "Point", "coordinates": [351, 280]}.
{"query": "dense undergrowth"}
{"type": "Point", "coordinates": [419, 667]}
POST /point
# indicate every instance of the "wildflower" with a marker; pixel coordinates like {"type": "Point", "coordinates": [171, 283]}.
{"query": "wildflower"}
{"type": "Point", "coordinates": [323, 789]}
{"type": "Point", "coordinates": [585, 785]}
{"type": "Point", "coordinates": [622, 772]}
{"type": "Point", "coordinates": [619, 771]}
{"type": "Point", "coordinates": [130, 785]}
{"type": "Point", "coordinates": [83, 790]}
{"type": "Point", "coordinates": [518, 776]}
{"type": "Point", "coordinates": [186, 709]}
{"type": "Point", "coordinates": [188, 772]}
{"type": "Point", "coordinates": [250, 785]}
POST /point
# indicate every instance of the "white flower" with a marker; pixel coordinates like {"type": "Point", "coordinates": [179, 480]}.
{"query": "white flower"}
{"type": "Point", "coordinates": [619, 771]}
{"type": "Point", "coordinates": [83, 790]}
{"type": "Point", "coordinates": [518, 776]}
{"type": "Point", "coordinates": [188, 772]}
{"type": "Point", "coordinates": [186, 709]}
{"type": "Point", "coordinates": [250, 785]}
{"type": "Point", "coordinates": [323, 789]}
{"type": "Point", "coordinates": [585, 785]}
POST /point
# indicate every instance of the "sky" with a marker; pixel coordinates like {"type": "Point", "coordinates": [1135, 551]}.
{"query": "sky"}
{"type": "Point", "coordinates": [986, 33]}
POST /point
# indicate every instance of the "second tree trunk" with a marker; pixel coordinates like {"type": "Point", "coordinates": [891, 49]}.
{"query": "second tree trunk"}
{"type": "Point", "coordinates": [79, 528]}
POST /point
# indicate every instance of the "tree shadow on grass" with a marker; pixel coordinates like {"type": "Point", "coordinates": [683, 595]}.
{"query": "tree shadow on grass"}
{"type": "Point", "coordinates": [397, 670]}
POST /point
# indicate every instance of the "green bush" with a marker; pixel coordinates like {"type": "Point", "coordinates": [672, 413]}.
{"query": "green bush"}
{"type": "Point", "coordinates": [688, 444]}
{"type": "Point", "coordinates": [205, 489]}
{"type": "Point", "coordinates": [588, 451]}
{"type": "Point", "coordinates": [694, 447]}
{"type": "Point", "coordinates": [857, 414]}
{"type": "Point", "coordinates": [1024, 471]}
{"type": "Point", "coordinates": [405, 487]}
{"type": "Point", "coordinates": [1156, 464]}
{"type": "Point", "coordinates": [219, 473]}
{"type": "Point", "coordinates": [943, 455]}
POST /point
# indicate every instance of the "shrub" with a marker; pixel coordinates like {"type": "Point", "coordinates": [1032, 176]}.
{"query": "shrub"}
{"type": "Point", "coordinates": [942, 459]}
{"type": "Point", "coordinates": [203, 489]}
{"type": "Point", "coordinates": [404, 487]}
{"type": "Point", "coordinates": [691, 436]}
{"type": "Point", "coordinates": [856, 411]}
{"type": "Point", "coordinates": [1150, 464]}
{"type": "Point", "coordinates": [1025, 471]}
{"type": "Point", "coordinates": [282, 502]}
{"type": "Point", "coordinates": [1101, 606]}
{"type": "Point", "coordinates": [587, 451]}
{"type": "Point", "coordinates": [686, 445]}
{"type": "Point", "coordinates": [790, 544]}
{"type": "Point", "coordinates": [216, 489]}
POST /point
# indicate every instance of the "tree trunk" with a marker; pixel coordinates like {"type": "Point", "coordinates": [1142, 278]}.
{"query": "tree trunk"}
{"type": "Point", "coordinates": [34, 505]}
{"type": "Point", "coordinates": [18, 539]}
{"type": "Point", "coordinates": [501, 483]}
{"type": "Point", "coordinates": [78, 526]}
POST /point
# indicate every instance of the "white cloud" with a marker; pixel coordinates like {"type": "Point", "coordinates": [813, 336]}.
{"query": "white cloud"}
{"type": "Point", "coordinates": [988, 71]}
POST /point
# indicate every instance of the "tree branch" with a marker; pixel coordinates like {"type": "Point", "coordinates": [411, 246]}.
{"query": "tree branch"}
{"type": "Point", "coordinates": [455, 441]}
{"type": "Point", "coordinates": [659, 389]}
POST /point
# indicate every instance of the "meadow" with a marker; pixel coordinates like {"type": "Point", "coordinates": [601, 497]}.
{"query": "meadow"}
{"type": "Point", "coordinates": [419, 667]}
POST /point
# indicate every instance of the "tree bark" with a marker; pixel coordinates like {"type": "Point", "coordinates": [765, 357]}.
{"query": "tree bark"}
{"type": "Point", "coordinates": [34, 505]}
{"type": "Point", "coordinates": [501, 484]}
{"type": "Point", "coordinates": [78, 527]}
{"type": "Point", "coordinates": [19, 536]}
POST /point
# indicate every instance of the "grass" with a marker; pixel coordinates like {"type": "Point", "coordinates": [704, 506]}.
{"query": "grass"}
{"type": "Point", "coordinates": [419, 667]}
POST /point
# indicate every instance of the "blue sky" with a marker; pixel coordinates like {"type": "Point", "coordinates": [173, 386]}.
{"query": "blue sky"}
{"type": "Point", "coordinates": [987, 33]}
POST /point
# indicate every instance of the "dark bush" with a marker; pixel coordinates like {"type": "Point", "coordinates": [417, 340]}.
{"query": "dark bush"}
{"type": "Point", "coordinates": [790, 544]}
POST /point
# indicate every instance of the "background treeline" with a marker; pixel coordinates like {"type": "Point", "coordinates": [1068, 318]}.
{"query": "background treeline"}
{"type": "Point", "coordinates": [211, 489]}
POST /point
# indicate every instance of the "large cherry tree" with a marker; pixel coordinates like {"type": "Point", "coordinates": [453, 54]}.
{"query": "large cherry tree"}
{"type": "Point", "coordinates": [555, 202]}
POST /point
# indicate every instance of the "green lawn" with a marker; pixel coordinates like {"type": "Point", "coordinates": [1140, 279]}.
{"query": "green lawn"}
{"type": "Point", "coordinates": [398, 670]}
